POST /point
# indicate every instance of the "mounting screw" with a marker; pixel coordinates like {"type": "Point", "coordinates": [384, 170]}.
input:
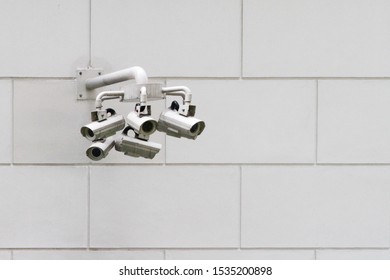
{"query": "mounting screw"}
{"type": "Point", "coordinates": [99, 73]}
{"type": "Point", "coordinates": [80, 73]}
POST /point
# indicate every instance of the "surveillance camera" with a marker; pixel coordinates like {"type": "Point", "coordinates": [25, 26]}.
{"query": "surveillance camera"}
{"type": "Point", "coordinates": [144, 125]}
{"type": "Point", "coordinates": [176, 125]}
{"type": "Point", "coordinates": [100, 129]}
{"type": "Point", "coordinates": [136, 147]}
{"type": "Point", "coordinates": [100, 150]}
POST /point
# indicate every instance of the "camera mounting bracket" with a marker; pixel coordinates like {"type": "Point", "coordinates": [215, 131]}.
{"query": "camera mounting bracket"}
{"type": "Point", "coordinates": [91, 81]}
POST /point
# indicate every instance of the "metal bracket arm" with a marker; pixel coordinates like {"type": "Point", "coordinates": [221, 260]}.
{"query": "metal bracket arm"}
{"type": "Point", "coordinates": [105, 95]}
{"type": "Point", "coordinates": [135, 72]}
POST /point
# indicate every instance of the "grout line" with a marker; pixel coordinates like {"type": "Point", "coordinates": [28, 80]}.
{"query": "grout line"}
{"type": "Point", "coordinates": [354, 164]}
{"type": "Point", "coordinates": [90, 34]}
{"type": "Point", "coordinates": [316, 133]}
{"type": "Point", "coordinates": [192, 164]}
{"type": "Point", "coordinates": [84, 249]}
{"type": "Point", "coordinates": [87, 164]}
{"type": "Point", "coordinates": [233, 78]}
{"type": "Point", "coordinates": [238, 163]}
{"type": "Point", "coordinates": [38, 78]}
{"type": "Point", "coordinates": [12, 254]}
{"type": "Point", "coordinates": [165, 136]}
{"type": "Point", "coordinates": [13, 124]}
{"type": "Point", "coordinates": [242, 41]}
{"type": "Point", "coordinates": [315, 254]}
{"type": "Point", "coordinates": [165, 254]}
{"type": "Point", "coordinates": [240, 210]}
{"type": "Point", "coordinates": [136, 249]}
{"type": "Point", "coordinates": [89, 209]}
{"type": "Point", "coordinates": [316, 78]}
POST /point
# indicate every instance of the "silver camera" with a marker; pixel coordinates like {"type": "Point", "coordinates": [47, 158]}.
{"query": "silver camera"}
{"type": "Point", "coordinates": [135, 147]}
{"type": "Point", "coordinates": [144, 125]}
{"type": "Point", "coordinates": [176, 125]}
{"type": "Point", "coordinates": [106, 127]}
{"type": "Point", "coordinates": [100, 149]}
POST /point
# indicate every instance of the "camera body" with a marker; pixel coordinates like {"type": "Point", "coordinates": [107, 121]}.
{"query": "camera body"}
{"type": "Point", "coordinates": [100, 149]}
{"type": "Point", "coordinates": [176, 125]}
{"type": "Point", "coordinates": [142, 125]}
{"type": "Point", "coordinates": [104, 127]}
{"type": "Point", "coordinates": [136, 147]}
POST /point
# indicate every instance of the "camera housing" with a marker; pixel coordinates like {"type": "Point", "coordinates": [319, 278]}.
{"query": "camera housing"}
{"type": "Point", "coordinates": [136, 147]}
{"type": "Point", "coordinates": [100, 149]}
{"type": "Point", "coordinates": [176, 125]}
{"type": "Point", "coordinates": [106, 127]}
{"type": "Point", "coordinates": [142, 125]}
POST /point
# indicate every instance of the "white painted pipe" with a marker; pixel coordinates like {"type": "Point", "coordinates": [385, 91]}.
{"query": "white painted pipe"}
{"type": "Point", "coordinates": [182, 91]}
{"type": "Point", "coordinates": [135, 72]}
{"type": "Point", "coordinates": [104, 95]}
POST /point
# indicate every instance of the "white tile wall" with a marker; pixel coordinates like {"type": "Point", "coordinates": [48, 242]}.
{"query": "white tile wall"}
{"type": "Point", "coordinates": [297, 206]}
{"type": "Point", "coordinates": [353, 122]}
{"type": "Point", "coordinates": [6, 117]}
{"type": "Point", "coordinates": [240, 254]}
{"type": "Point", "coordinates": [249, 122]}
{"type": "Point", "coordinates": [47, 122]}
{"type": "Point", "coordinates": [5, 255]}
{"type": "Point", "coordinates": [152, 207]}
{"type": "Point", "coordinates": [43, 207]}
{"type": "Point", "coordinates": [168, 38]}
{"type": "Point", "coordinates": [315, 38]}
{"type": "Point", "coordinates": [277, 174]}
{"type": "Point", "coordinates": [353, 254]}
{"type": "Point", "coordinates": [43, 38]}
{"type": "Point", "coordinates": [88, 255]}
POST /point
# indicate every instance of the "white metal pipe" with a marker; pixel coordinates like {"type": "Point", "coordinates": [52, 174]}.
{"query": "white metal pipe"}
{"type": "Point", "coordinates": [143, 97]}
{"type": "Point", "coordinates": [104, 95]}
{"type": "Point", "coordinates": [182, 91]}
{"type": "Point", "coordinates": [135, 72]}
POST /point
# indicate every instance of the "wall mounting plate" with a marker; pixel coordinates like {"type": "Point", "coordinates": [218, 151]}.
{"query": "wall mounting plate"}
{"type": "Point", "coordinates": [82, 74]}
{"type": "Point", "coordinates": [132, 90]}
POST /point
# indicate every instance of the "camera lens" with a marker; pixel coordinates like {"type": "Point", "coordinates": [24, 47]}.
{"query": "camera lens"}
{"type": "Point", "coordinates": [96, 152]}
{"type": "Point", "coordinates": [148, 127]}
{"type": "Point", "coordinates": [195, 128]}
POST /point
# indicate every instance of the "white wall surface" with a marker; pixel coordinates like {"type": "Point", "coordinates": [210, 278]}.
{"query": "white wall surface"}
{"type": "Point", "coordinates": [294, 162]}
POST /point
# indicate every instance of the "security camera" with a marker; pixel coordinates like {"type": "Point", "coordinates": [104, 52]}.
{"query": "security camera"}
{"type": "Point", "coordinates": [100, 149]}
{"type": "Point", "coordinates": [136, 147]}
{"type": "Point", "coordinates": [142, 125]}
{"type": "Point", "coordinates": [176, 125]}
{"type": "Point", "coordinates": [103, 128]}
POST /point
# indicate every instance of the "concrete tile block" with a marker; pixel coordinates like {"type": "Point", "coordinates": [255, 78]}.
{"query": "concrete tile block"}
{"type": "Point", "coordinates": [230, 254]}
{"type": "Point", "coordinates": [44, 38]}
{"type": "Point", "coordinates": [88, 255]}
{"type": "Point", "coordinates": [306, 38]}
{"type": "Point", "coordinates": [249, 122]}
{"type": "Point", "coordinates": [6, 121]}
{"type": "Point", "coordinates": [47, 122]}
{"type": "Point", "coordinates": [352, 121]}
{"type": "Point", "coordinates": [175, 38]}
{"type": "Point", "coordinates": [161, 207]}
{"type": "Point", "coordinates": [353, 254]}
{"type": "Point", "coordinates": [43, 207]}
{"type": "Point", "coordinates": [293, 206]}
{"type": "Point", "coordinates": [5, 255]}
